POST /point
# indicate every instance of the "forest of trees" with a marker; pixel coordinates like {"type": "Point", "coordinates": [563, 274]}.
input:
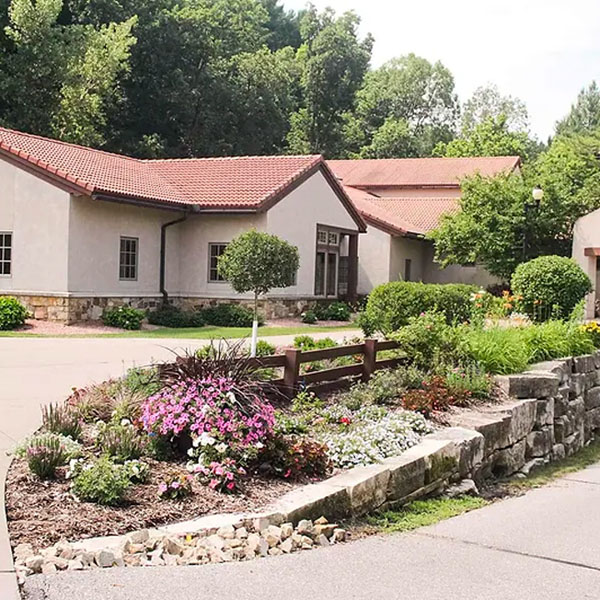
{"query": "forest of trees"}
{"type": "Point", "coordinates": [155, 78]}
{"type": "Point", "coordinates": [179, 78]}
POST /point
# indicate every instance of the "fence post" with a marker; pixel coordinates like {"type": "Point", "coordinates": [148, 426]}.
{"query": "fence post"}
{"type": "Point", "coordinates": [291, 371]}
{"type": "Point", "coordinates": [370, 358]}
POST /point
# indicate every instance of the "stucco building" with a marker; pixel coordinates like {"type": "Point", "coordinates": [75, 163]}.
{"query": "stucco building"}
{"type": "Point", "coordinates": [82, 229]}
{"type": "Point", "coordinates": [586, 250]}
{"type": "Point", "coordinates": [401, 200]}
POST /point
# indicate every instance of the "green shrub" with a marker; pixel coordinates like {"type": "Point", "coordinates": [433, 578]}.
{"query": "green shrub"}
{"type": "Point", "coordinates": [391, 305]}
{"type": "Point", "coordinates": [550, 286]}
{"type": "Point", "coordinates": [263, 348]}
{"type": "Point", "coordinates": [120, 442]}
{"type": "Point", "coordinates": [123, 317]}
{"type": "Point", "coordinates": [428, 341]}
{"type": "Point", "coordinates": [102, 481]}
{"type": "Point", "coordinates": [229, 315]}
{"type": "Point", "coordinates": [12, 313]}
{"type": "Point", "coordinates": [171, 316]}
{"type": "Point", "coordinates": [61, 418]}
{"type": "Point", "coordinates": [309, 316]}
{"type": "Point", "coordinates": [44, 454]}
{"type": "Point", "coordinates": [336, 311]}
{"type": "Point", "coordinates": [306, 342]}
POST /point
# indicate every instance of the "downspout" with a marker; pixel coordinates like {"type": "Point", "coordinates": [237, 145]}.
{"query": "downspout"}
{"type": "Point", "coordinates": [163, 249]}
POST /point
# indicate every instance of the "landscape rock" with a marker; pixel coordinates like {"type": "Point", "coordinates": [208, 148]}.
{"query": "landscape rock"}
{"type": "Point", "coordinates": [105, 558]}
{"type": "Point", "coordinates": [465, 487]}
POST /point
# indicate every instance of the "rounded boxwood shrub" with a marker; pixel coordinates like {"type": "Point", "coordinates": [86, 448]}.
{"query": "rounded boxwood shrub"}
{"type": "Point", "coordinates": [550, 286]}
{"type": "Point", "coordinates": [229, 315]}
{"type": "Point", "coordinates": [12, 313]}
{"type": "Point", "coordinates": [391, 305]}
{"type": "Point", "coordinates": [124, 317]}
{"type": "Point", "coordinates": [171, 316]}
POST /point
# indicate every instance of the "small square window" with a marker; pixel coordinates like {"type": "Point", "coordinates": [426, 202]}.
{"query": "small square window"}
{"type": "Point", "coordinates": [128, 259]}
{"type": "Point", "coordinates": [321, 237]}
{"type": "Point", "coordinates": [5, 252]}
{"type": "Point", "coordinates": [214, 251]}
{"type": "Point", "coordinates": [333, 238]}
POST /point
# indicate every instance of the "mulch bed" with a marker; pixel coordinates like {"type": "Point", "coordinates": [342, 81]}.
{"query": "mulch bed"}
{"type": "Point", "coordinates": [43, 513]}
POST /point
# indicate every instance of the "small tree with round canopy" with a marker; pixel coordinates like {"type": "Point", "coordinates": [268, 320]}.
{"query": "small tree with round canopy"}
{"type": "Point", "coordinates": [258, 262]}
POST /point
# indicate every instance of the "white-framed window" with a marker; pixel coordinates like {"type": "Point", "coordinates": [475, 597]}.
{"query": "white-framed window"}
{"type": "Point", "coordinates": [327, 261]}
{"type": "Point", "coordinates": [6, 252]}
{"type": "Point", "coordinates": [214, 251]}
{"type": "Point", "coordinates": [128, 258]}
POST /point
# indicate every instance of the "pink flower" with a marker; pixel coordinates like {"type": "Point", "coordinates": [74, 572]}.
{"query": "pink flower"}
{"type": "Point", "coordinates": [175, 485]}
{"type": "Point", "coordinates": [162, 488]}
{"type": "Point", "coordinates": [230, 485]}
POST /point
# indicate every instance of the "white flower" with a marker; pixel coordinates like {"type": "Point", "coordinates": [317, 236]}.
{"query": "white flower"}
{"type": "Point", "coordinates": [231, 396]}
{"type": "Point", "coordinates": [125, 422]}
{"type": "Point", "coordinates": [259, 445]}
{"type": "Point", "coordinates": [221, 448]}
{"type": "Point", "coordinates": [190, 452]}
{"type": "Point", "coordinates": [204, 439]}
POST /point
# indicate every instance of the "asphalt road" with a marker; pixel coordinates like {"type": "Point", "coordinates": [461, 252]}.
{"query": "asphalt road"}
{"type": "Point", "coordinates": [543, 545]}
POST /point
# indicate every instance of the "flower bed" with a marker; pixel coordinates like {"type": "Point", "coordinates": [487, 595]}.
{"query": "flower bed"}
{"type": "Point", "coordinates": [196, 437]}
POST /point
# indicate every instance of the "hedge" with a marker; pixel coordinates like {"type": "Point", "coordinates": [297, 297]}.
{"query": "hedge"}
{"type": "Point", "coordinates": [391, 305]}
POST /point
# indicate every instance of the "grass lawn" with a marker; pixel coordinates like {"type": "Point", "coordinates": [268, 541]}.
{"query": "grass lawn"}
{"type": "Point", "coordinates": [196, 333]}
{"type": "Point", "coordinates": [421, 513]}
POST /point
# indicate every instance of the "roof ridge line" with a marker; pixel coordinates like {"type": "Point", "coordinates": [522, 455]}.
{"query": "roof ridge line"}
{"type": "Point", "coordinates": [226, 158]}
{"type": "Point", "coordinates": [70, 144]}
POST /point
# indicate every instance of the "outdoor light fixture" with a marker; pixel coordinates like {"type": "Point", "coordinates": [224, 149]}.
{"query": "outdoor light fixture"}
{"type": "Point", "coordinates": [537, 193]}
{"type": "Point", "coordinates": [529, 207]}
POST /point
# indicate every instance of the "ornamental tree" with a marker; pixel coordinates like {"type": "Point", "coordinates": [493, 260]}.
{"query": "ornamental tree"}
{"type": "Point", "coordinates": [258, 262]}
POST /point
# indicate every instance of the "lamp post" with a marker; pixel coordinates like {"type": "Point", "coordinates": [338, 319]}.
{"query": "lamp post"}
{"type": "Point", "coordinates": [537, 195]}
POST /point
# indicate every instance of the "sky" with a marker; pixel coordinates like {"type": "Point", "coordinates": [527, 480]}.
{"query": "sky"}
{"type": "Point", "coordinates": [543, 52]}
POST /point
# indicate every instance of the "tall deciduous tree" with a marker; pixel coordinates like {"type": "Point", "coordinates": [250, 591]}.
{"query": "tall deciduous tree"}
{"type": "Point", "coordinates": [491, 137]}
{"type": "Point", "coordinates": [334, 61]}
{"type": "Point", "coordinates": [584, 116]}
{"type": "Point", "coordinates": [491, 226]}
{"type": "Point", "coordinates": [487, 102]}
{"type": "Point", "coordinates": [60, 79]}
{"type": "Point", "coordinates": [410, 93]}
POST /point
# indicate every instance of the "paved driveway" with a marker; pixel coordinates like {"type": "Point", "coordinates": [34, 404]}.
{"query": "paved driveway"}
{"type": "Point", "coordinates": [544, 545]}
{"type": "Point", "coordinates": [34, 371]}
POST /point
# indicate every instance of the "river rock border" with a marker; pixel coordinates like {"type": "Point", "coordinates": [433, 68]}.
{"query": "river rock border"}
{"type": "Point", "coordinates": [553, 410]}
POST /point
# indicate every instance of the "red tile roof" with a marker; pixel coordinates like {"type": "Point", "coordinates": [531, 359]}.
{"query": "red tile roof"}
{"type": "Point", "coordinates": [418, 172]}
{"type": "Point", "coordinates": [401, 216]}
{"type": "Point", "coordinates": [217, 183]}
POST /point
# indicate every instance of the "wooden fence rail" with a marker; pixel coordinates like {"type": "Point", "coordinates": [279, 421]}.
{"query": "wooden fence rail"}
{"type": "Point", "coordinates": [291, 361]}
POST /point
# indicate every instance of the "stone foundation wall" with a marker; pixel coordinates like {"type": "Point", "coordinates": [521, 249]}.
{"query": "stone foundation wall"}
{"type": "Point", "coordinates": [270, 308]}
{"type": "Point", "coordinates": [73, 309]}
